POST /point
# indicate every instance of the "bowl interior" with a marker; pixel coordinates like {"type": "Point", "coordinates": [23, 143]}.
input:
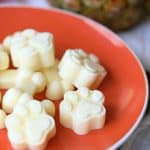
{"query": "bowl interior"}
{"type": "Point", "coordinates": [124, 86]}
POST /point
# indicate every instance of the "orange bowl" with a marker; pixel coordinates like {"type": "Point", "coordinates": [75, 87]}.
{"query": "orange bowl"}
{"type": "Point", "coordinates": [125, 87]}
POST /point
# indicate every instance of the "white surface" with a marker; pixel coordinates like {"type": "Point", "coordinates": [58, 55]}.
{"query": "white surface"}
{"type": "Point", "coordinates": [138, 38]}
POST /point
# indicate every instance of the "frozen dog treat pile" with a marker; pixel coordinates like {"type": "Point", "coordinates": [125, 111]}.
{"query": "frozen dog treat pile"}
{"type": "Point", "coordinates": [35, 69]}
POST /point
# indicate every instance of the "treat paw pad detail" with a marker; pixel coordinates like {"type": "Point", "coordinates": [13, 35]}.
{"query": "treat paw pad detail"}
{"type": "Point", "coordinates": [83, 110]}
{"type": "Point", "coordinates": [29, 126]}
{"type": "Point", "coordinates": [81, 69]}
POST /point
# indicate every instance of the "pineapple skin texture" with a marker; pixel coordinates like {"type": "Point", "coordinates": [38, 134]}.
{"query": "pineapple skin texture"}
{"type": "Point", "coordinates": [116, 14]}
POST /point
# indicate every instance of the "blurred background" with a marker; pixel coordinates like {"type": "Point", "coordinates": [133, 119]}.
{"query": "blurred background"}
{"type": "Point", "coordinates": [130, 19]}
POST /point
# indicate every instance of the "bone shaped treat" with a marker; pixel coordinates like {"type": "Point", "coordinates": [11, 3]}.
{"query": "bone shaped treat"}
{"type": "Point", "coordinates": [31, 49]}
{"type": "Point", "coordinates": [82, 110]}
{"type": "Point", "coordinates": [2, 119]}
{"type": "Point", "coordinates": [25, 79]}
{"type": "Point", "coordinates": [81, 69]}
{"type": "Point", "coordinates": [30, 81]}
{"type": "Point", "coordinates": [8, 78]}
{"type": "Point", "coordinates": [56, 86]}
{"type": "Point", "coordinates": [4, 59]}
{"type": "Point", "coordinates": [30, 127]}
{"type": "Point", "coordinates": [0, 98]}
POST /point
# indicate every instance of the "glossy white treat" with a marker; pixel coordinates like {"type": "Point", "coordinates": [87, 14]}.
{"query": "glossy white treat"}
{"type": "Point", "coordinates": [8, 78]}
{"type": "Point", "coordinates": [0, 98]}
{"type": "Point", "coordinates": [81, 69]}
{"type": "Point", "coordinates": [30, 81]}
{"type": "Point", "coordinates": [31, 49]}
{"type": "Point", "coordinates": [7, 43]}
{"type": "Point", "coordinates": [56, 86]}
{"type": "Point", "coordinates": [14, 96]}
{"type": "Point", "coordinates": [82, 110]}
{"type": "Point", "coordinates": [2, 119]}
{"type": "Point", "coordinates": [30, 127]}
{"type": "Point", "coordinates": [48, 106]}
{"type": "Point", "coordinates": [4, 59]}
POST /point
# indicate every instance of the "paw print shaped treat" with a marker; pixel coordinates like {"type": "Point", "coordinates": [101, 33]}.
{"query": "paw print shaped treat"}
{"type": "Point", "coordinates": [81, 69]}
{"type": "Point", "coordinates": [14, 96]}
{"type": "Point", "coordinates": [82, 110]}
{"type": "Point", "coordinates": [30, 81]}
{"type": "Point", "coordinates": [56, 86]}
{"type": "Point", "coordinates": [31, 49]}
{"type": "Point", "coordinates": [4, 59]}
{"type": "Point", "coordinates": [30, 127]}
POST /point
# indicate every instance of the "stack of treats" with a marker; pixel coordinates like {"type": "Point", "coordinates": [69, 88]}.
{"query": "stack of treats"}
{"type": "Point", "coordinates": [28, 66]}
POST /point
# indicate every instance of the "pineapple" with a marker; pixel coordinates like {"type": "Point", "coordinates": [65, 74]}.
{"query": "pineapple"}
{"type": "Point", "coordinates": [147, 5]}
{"type": "Point", "coordinates": [116, 14]}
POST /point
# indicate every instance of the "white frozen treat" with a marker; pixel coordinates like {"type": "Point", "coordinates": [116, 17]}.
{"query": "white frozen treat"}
{"type": "Point", "coordinates": [31, 49]}
{"type": "Point", "coordinates": [6, 43]}
{"type": "Point", "coordinates": [56, 86]}
{"type": "Point", "coordinates": [8, 78]}
{"type": "Point", "coordinates": [12, 97]}
{"type": "Point", "coordinates": [2, 119]}
{"type": "Point", "coordinates": [0, 98]}
{"type": "Point", "coordinates": [4, 59]}
{"type": "Point", "coordinates": [30, 81]}
{"type": "Point", "coordinates": [30, 127]}
{"type": "Point", "coordinates": [81, 69]}
{"type": "Point", "coordinates": [82, 110]}
{"type": "Point", "coordinates": [48, 106]}
{"type": "Point", "coordinates": [15, 96]}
